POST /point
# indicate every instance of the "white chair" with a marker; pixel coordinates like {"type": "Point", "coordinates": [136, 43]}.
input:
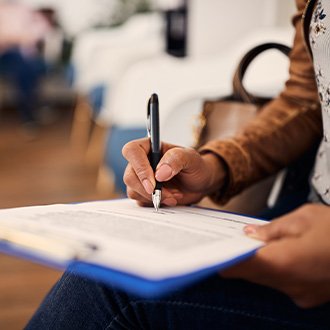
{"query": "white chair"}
{"type": "Point", "coordinates": [99, 59]}
{"type": "Point", "coordinates": [98, 54]}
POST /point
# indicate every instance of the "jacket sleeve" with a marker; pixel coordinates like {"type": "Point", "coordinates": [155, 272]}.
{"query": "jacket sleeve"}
{"type": "Point", "coordinates": [281, 132]}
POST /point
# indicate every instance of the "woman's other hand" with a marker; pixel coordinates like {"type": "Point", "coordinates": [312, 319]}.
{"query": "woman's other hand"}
{"type": "Point", "coordinates": [296, 258]}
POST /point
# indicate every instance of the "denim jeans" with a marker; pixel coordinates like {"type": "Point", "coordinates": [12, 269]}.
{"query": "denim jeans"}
{"type": "Point", "coordinates": [25, 73]}
{"type": "Point", "coordinates": [216, 303]}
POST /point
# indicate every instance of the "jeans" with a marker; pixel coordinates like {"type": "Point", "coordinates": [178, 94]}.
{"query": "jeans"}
{"type": "Point", "coordinates": [215, 303]}
{"type": "Point", "coordinates": [24, 72]}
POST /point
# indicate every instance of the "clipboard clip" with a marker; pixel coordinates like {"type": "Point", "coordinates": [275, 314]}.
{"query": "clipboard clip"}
{"type": "Point", "coordinates": [58, 248]}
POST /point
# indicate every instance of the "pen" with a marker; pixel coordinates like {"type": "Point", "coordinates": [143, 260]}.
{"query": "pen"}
{"type": "Point", "coordinates": [155, 155]}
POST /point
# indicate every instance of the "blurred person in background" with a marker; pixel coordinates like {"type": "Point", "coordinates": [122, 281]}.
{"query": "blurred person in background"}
{"type": "Point", "coordinates": [21, 31]}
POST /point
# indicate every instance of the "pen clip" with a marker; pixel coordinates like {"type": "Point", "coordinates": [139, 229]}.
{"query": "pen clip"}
{"type": "Point", "coordinates": [149, 118]}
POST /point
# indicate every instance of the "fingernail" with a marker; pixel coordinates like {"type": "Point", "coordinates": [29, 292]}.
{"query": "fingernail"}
{"type": "Point", "coordinates": [251, 231]}
{"type": "Point", "coordinates": [163, 173]}
{"type": "Point", "coordinates": [149, 188]}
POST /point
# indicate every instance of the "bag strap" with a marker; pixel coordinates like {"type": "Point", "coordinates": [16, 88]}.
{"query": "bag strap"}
{"type": "Point", "coordinates": [239, 91]}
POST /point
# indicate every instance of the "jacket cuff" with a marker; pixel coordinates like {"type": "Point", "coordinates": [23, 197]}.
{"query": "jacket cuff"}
{"type": "Point", "coordinates": [237, 162]}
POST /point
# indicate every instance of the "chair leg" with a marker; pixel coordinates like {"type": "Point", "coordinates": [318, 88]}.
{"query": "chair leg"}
{"type": "Point", "coordinates": [105, 183]}
{"type": "Point", "coordinates": [81, 126]}
{"type": "Point", "coordinates": [95, 152]}
{"type": "Point", "coordinates": [94, 157]}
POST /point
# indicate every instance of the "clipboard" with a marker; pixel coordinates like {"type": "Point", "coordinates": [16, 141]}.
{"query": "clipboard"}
{"type": "Point", "coordinates": [72, 256]}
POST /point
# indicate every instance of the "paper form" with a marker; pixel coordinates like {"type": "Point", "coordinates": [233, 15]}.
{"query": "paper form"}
{"type": "Point", "coordinates": [123, 236]}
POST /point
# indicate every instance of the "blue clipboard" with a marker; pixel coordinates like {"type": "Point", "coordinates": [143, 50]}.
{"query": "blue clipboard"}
{"type": "Point", "coordinates": [127, 282]}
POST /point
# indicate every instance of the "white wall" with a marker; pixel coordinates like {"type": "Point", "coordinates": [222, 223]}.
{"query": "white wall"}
{"type": "Point", "coordinates": [285, 10]}
{"type": "Point", "coordinates": [216, 24]}
{"type": "Point", "coordinates": [78, 15]}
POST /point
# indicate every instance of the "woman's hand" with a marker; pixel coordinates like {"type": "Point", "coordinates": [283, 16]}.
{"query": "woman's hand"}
{"type": "Point", "coordinates": [296, 258]}
{"type": "Point", "coordinates": [187, 176]}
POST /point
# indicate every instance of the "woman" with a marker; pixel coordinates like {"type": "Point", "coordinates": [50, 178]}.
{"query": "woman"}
{"type": "Point", "coordinates": [21, 30]}
{"type": "Point", "coordinates": [291, 273]}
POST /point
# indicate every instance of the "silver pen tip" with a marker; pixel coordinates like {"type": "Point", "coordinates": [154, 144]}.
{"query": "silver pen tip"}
{"type": "Point", "coordinates": [156, 198]}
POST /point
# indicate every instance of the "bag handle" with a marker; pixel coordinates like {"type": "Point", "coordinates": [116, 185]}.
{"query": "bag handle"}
{"type": "Point", "coordinates": [239, 91]}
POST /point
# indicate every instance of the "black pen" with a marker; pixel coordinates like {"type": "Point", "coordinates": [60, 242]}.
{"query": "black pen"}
{"type": "Point", "coordinates": [154, 135]}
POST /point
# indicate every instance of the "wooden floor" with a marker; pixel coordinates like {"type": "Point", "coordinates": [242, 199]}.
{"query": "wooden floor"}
{"type": "Point", "coordinates": [35, 170]}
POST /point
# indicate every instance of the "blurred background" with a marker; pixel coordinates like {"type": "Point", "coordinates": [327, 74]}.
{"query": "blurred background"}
{"type": "Point", "coordinates": [75, 77]}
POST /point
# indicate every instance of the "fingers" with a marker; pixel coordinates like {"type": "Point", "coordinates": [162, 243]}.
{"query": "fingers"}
{"type": "Point", "coordinates": [136, 191]}
{"type": "Point", "coordinates": [273, 231]}
{"type": "Point", "coordinates": [174, 161]}
{"type": "Point", "coordinates": [132, 194]}
{"type": "Point", "coordinates": [134, 186]}
{"type": "Point", "coordinates": [292, 224]}
{"type": "Point", "coordinates": [136, 153]}
{"type": "Point", "coordinates": [140, 178]}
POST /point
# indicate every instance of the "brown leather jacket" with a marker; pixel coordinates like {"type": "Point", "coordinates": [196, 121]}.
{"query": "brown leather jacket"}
{"type": "Point", "coordinates": [284, 129]}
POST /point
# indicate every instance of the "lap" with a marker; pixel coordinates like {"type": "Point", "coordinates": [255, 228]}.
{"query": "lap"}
{"type": "Point", "coordinates": [77, 303]}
